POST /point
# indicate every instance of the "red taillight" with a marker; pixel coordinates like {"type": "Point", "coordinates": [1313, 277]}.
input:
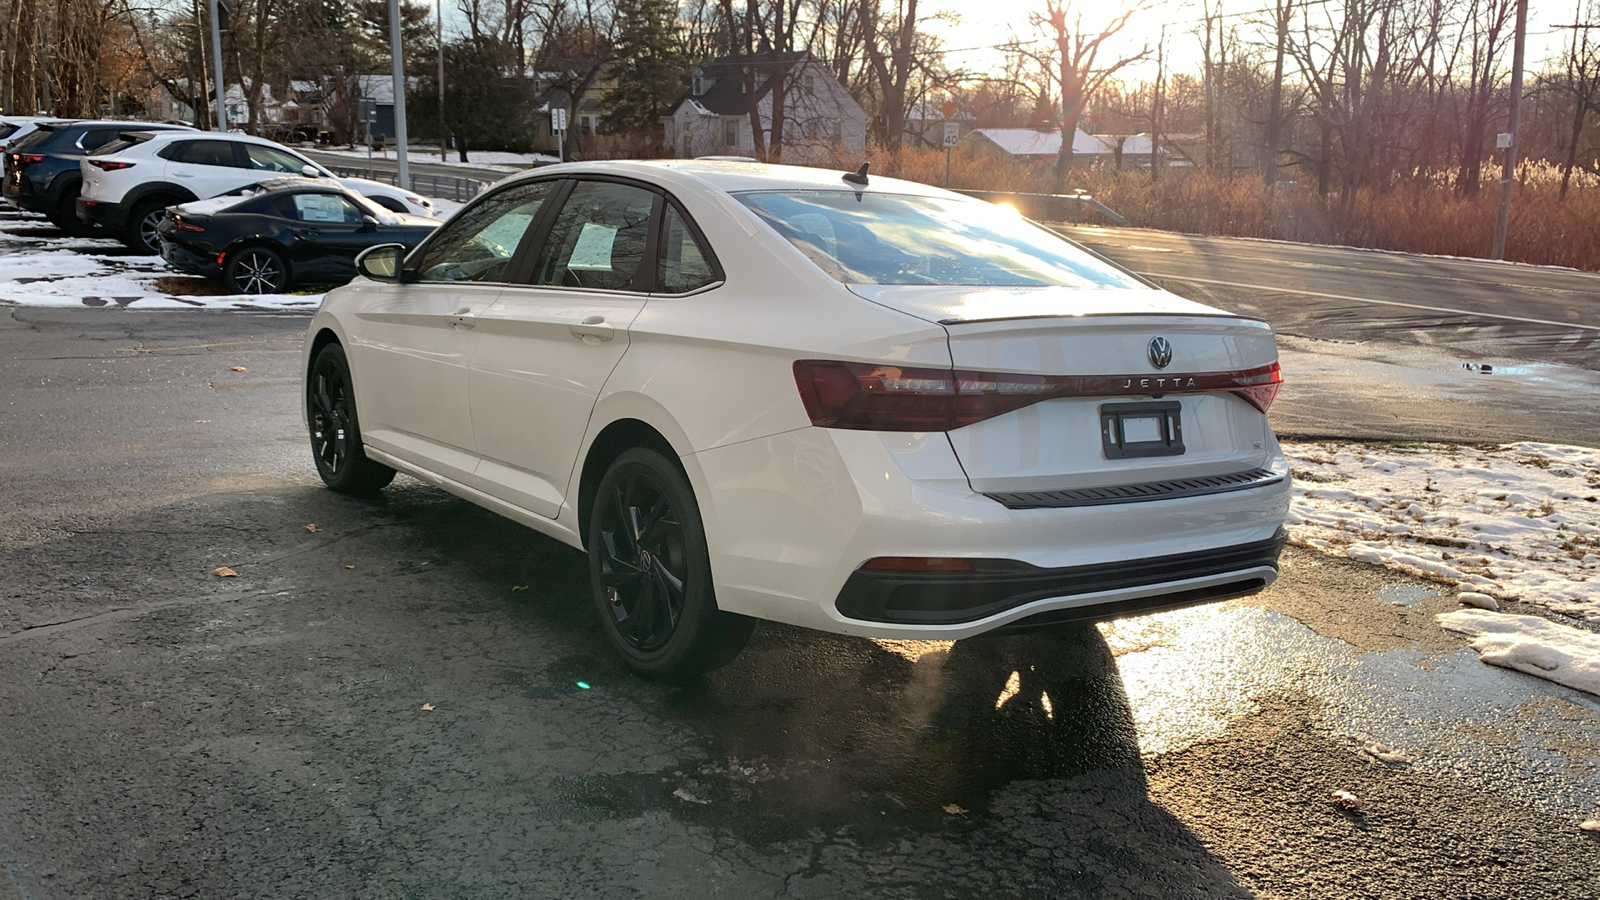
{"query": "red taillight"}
{"type": "Point", "coordinates": [182, 224]}
{"type": "Point", "coordinates": [918, 564]}
{"type": "Point", "coordinates": [106, 165]}
{"type": "Point", "coordinates": [886, 397]}
{"type": "Point", "coordinates": [25, 159]}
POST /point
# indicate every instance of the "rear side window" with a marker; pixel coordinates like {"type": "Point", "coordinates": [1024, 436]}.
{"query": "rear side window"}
{"type": "Point", "coordinates": [871, 238]}
{"type": "Point", "coordinates": [599, 239]}
{"type": "Point", "coordinates": [95, 138]}
{"type": "Point", "coordinates": [478, 244]}
{"type": "Point", "coordinates": [685, 263]}
{"type": "Point", "coordinates": [201, 153]}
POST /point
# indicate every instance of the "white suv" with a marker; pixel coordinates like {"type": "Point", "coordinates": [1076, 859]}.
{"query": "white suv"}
{"type": "Point", "coordinates": [129, 183]}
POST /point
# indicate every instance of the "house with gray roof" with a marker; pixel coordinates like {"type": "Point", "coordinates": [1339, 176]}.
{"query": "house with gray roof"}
{"type": "Point", "coordinates": [821, 121]}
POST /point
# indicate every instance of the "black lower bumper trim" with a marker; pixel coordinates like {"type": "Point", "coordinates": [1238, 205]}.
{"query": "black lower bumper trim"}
{"type": "Point", "coordinates": [945, 598]}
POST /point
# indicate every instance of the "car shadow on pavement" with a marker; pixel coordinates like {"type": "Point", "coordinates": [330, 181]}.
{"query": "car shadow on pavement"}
{"type": "Point", "coordinates": [998, 766]}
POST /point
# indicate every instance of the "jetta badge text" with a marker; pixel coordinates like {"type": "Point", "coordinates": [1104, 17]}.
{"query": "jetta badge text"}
{"type": "Point", "coordinates": [1175, 383]}
{"type": "Point", "coordinates": [1160, 352]}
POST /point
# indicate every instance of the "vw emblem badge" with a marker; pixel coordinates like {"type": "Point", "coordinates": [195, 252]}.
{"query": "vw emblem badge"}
{"type": "Point", "coordinates": [1160, 352]}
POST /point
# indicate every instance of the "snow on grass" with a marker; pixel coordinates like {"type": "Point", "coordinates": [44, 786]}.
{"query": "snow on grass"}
{"type": "Point", "coordinates": [40, 268]}
{"type": "Point", "coordinates": [1509, 522]}
{"type": "Point", "coordinates": [476, 159]}
{"type": "Point", "coordinates": [1514, 522]}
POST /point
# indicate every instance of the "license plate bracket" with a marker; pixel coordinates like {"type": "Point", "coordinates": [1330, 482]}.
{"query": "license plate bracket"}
{"type": "Point", "coordinates": [1131, 430]}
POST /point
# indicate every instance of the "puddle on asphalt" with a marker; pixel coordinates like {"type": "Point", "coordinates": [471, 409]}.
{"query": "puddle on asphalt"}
{"type": "Point", "coordinates": [1406, 594]}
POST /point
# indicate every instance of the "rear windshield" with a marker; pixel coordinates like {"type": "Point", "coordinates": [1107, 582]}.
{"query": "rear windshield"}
{"type": "Point", "coordinates": [34, 138]}
{"type": "Point", "coordinates": [7, 130]}
{"type": "Point", "coordinates": [871, 238]}
{"type": "Point", "coordinates": [120, 143]}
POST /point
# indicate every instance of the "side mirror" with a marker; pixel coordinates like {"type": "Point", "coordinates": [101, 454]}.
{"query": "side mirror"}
{"type": "Point", "coordinates": [381, 263]}
{"type": "Point", "coordinates": [369, 223]}
{"type": "Point", "coordinates": [310, 171]}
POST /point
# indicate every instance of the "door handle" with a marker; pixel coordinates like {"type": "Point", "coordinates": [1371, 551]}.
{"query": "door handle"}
{"type": "Point", "coordinates": [183, 174]}
{"type": "Point", "coordinates": [593, 327]}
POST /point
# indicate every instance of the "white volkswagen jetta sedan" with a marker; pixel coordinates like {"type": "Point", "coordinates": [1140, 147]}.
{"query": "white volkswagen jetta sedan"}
{"type": "Point", "coordinates": [855, 404]}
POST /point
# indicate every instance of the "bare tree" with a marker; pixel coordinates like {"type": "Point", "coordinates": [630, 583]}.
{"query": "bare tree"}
{"type": "Point", "coordinates": [1078, 69]}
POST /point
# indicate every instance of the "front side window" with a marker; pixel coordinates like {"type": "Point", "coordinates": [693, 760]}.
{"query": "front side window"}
{"type": "Point", "coordinates": [271, 159]}
{"type": "Point", "coordinates": [685, 262]}
{"type": "Point", "coordinates": [326, 208]}
{"type": "Point", "coordinates": [478, 244]}
{"type": "Point", "coordinates": [899, 239]}
{"type": "Point", "coordinates": [599, 239]}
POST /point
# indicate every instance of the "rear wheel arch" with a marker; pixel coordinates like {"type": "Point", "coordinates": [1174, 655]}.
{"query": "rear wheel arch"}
{"type": "Point", "coordinates": [612, 441]}
{"type": "Point", "coordinates": [170, 193]}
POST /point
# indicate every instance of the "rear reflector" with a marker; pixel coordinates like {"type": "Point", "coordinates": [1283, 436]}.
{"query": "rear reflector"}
{"type": "Point", "coordinates": [106, 165]}
{"type": "Point", "coordinates": [884, 397]}
{"type": "Point", "coordinates": [917, 564]}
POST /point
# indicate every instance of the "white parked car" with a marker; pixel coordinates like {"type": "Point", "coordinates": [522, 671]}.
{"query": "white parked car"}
{"type": "Point", "coordinates": [14, 127]}
{"type": "Point", "coordinates": [129, 183]}
{"type": "Point", "coordinates": [754, 392]}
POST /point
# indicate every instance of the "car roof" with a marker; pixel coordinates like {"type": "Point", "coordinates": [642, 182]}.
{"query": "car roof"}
{"type": "Point", "coordinates": [732, 176]}
{"type": "Point", "coordinates": [214, 136]}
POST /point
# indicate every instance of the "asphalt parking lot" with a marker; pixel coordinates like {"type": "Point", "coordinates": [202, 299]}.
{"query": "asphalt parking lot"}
{"type": "Point", "coordinates": [411, 699]}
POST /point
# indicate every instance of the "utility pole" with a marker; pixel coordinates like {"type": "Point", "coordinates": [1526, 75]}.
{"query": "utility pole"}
{"type": "Point", "coordinates": [216, 61]}
{"type": "Point", "coordinates": [443, 131]}
{"type": "Point", "coordinates": [1508, 171]}
{"type": "Point", "coordinates": [1155, 109]}
{"type": "Point", "coordinates": [399, 97]}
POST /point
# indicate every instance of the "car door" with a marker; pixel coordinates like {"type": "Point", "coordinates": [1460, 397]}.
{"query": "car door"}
{"type": "Point", "coordinates": [206, 167]}
{"type": "Point", "coordinates": [545, 349]}
{"type": "Point", "coordinates": [326, 233]}
{"type": "Point", "coordinates": [413, 340]}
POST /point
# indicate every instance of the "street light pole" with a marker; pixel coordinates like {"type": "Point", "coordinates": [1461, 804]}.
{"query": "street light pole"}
{"type": "Point", "coordinates": [443, 132]}
{"type": "Point", "coordinates": [1508, 172]}
{"type": "Point", "coordinates": [399, 96]}
{"type": "Point", "coordinates": [216, 61]}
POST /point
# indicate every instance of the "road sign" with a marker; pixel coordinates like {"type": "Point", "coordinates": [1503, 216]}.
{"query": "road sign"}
{"type": "Point", "coordinates": [952, 134]}
{"type": "Point", "coordinates": [558, 119]}
{"type": "Point", "coordinates": [949, 109]}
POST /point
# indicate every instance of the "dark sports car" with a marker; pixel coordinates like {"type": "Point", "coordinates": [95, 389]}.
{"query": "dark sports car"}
{"type": "Point", "coordinates": [271, 236]}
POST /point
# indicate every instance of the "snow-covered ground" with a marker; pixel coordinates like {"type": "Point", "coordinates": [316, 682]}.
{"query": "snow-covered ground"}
{"type": "Point", "coordinates": [55, 271]}
{"type": "Point", "coordinates": [477, 159]}
{"type": "Point", "coordinates": [1516, 522]}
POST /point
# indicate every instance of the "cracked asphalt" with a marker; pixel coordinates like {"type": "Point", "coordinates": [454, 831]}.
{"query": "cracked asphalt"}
{"type": "Point", "coordinates": [411, 701]}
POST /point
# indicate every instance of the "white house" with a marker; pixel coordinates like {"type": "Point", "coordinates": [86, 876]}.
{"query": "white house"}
{"type": "Point", "coordinates": [821, 120]}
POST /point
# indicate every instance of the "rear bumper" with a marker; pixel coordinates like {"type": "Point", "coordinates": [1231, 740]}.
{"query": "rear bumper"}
{"type": "Point", "coordinates": [185, 260]}
{"type": "Point", "coordinates": [98, 212]}
{"type": "Point", "coordinates": [792, 519]}
{"type": "Point", "coordinates": [20, 191]}
{"type": "Point", "coordinates": [942, 598]}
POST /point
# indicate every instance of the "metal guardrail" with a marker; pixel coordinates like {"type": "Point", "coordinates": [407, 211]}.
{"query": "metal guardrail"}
{"type": "Point", "coordinates": [445, 187]}
{"type": "Point", "coordinates": [1050, 207]}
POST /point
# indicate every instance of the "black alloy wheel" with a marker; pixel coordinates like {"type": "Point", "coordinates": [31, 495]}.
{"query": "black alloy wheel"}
{"type": "Point", "coordinates": [256, 270]}
{"type": "Point", "coordinates": [335, 435]}
{"type": "Point", "coordinates": [651, 574]}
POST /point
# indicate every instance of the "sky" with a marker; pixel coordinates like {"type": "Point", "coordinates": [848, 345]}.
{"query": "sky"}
{"type": "Point", "coordinates": [985, 25]}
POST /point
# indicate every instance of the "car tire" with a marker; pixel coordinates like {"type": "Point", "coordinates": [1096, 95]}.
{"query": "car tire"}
{"type": "Point", "coordinates": [66, 218]}
{"type": "Point", "coordinates": [139, 234]}
{"type": "Point", "coordinates": [256, 270]}
{"type": "Point", "coordinates": [650, 572]}
{"type": "Point", "coordinates": [335, 429]}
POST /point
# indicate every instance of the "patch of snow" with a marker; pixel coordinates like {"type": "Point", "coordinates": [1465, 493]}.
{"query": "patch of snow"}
{"type": "Point", "coordinates": [1512, 522]}
{"type": "Point", "coordinates": [1549, 650]}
